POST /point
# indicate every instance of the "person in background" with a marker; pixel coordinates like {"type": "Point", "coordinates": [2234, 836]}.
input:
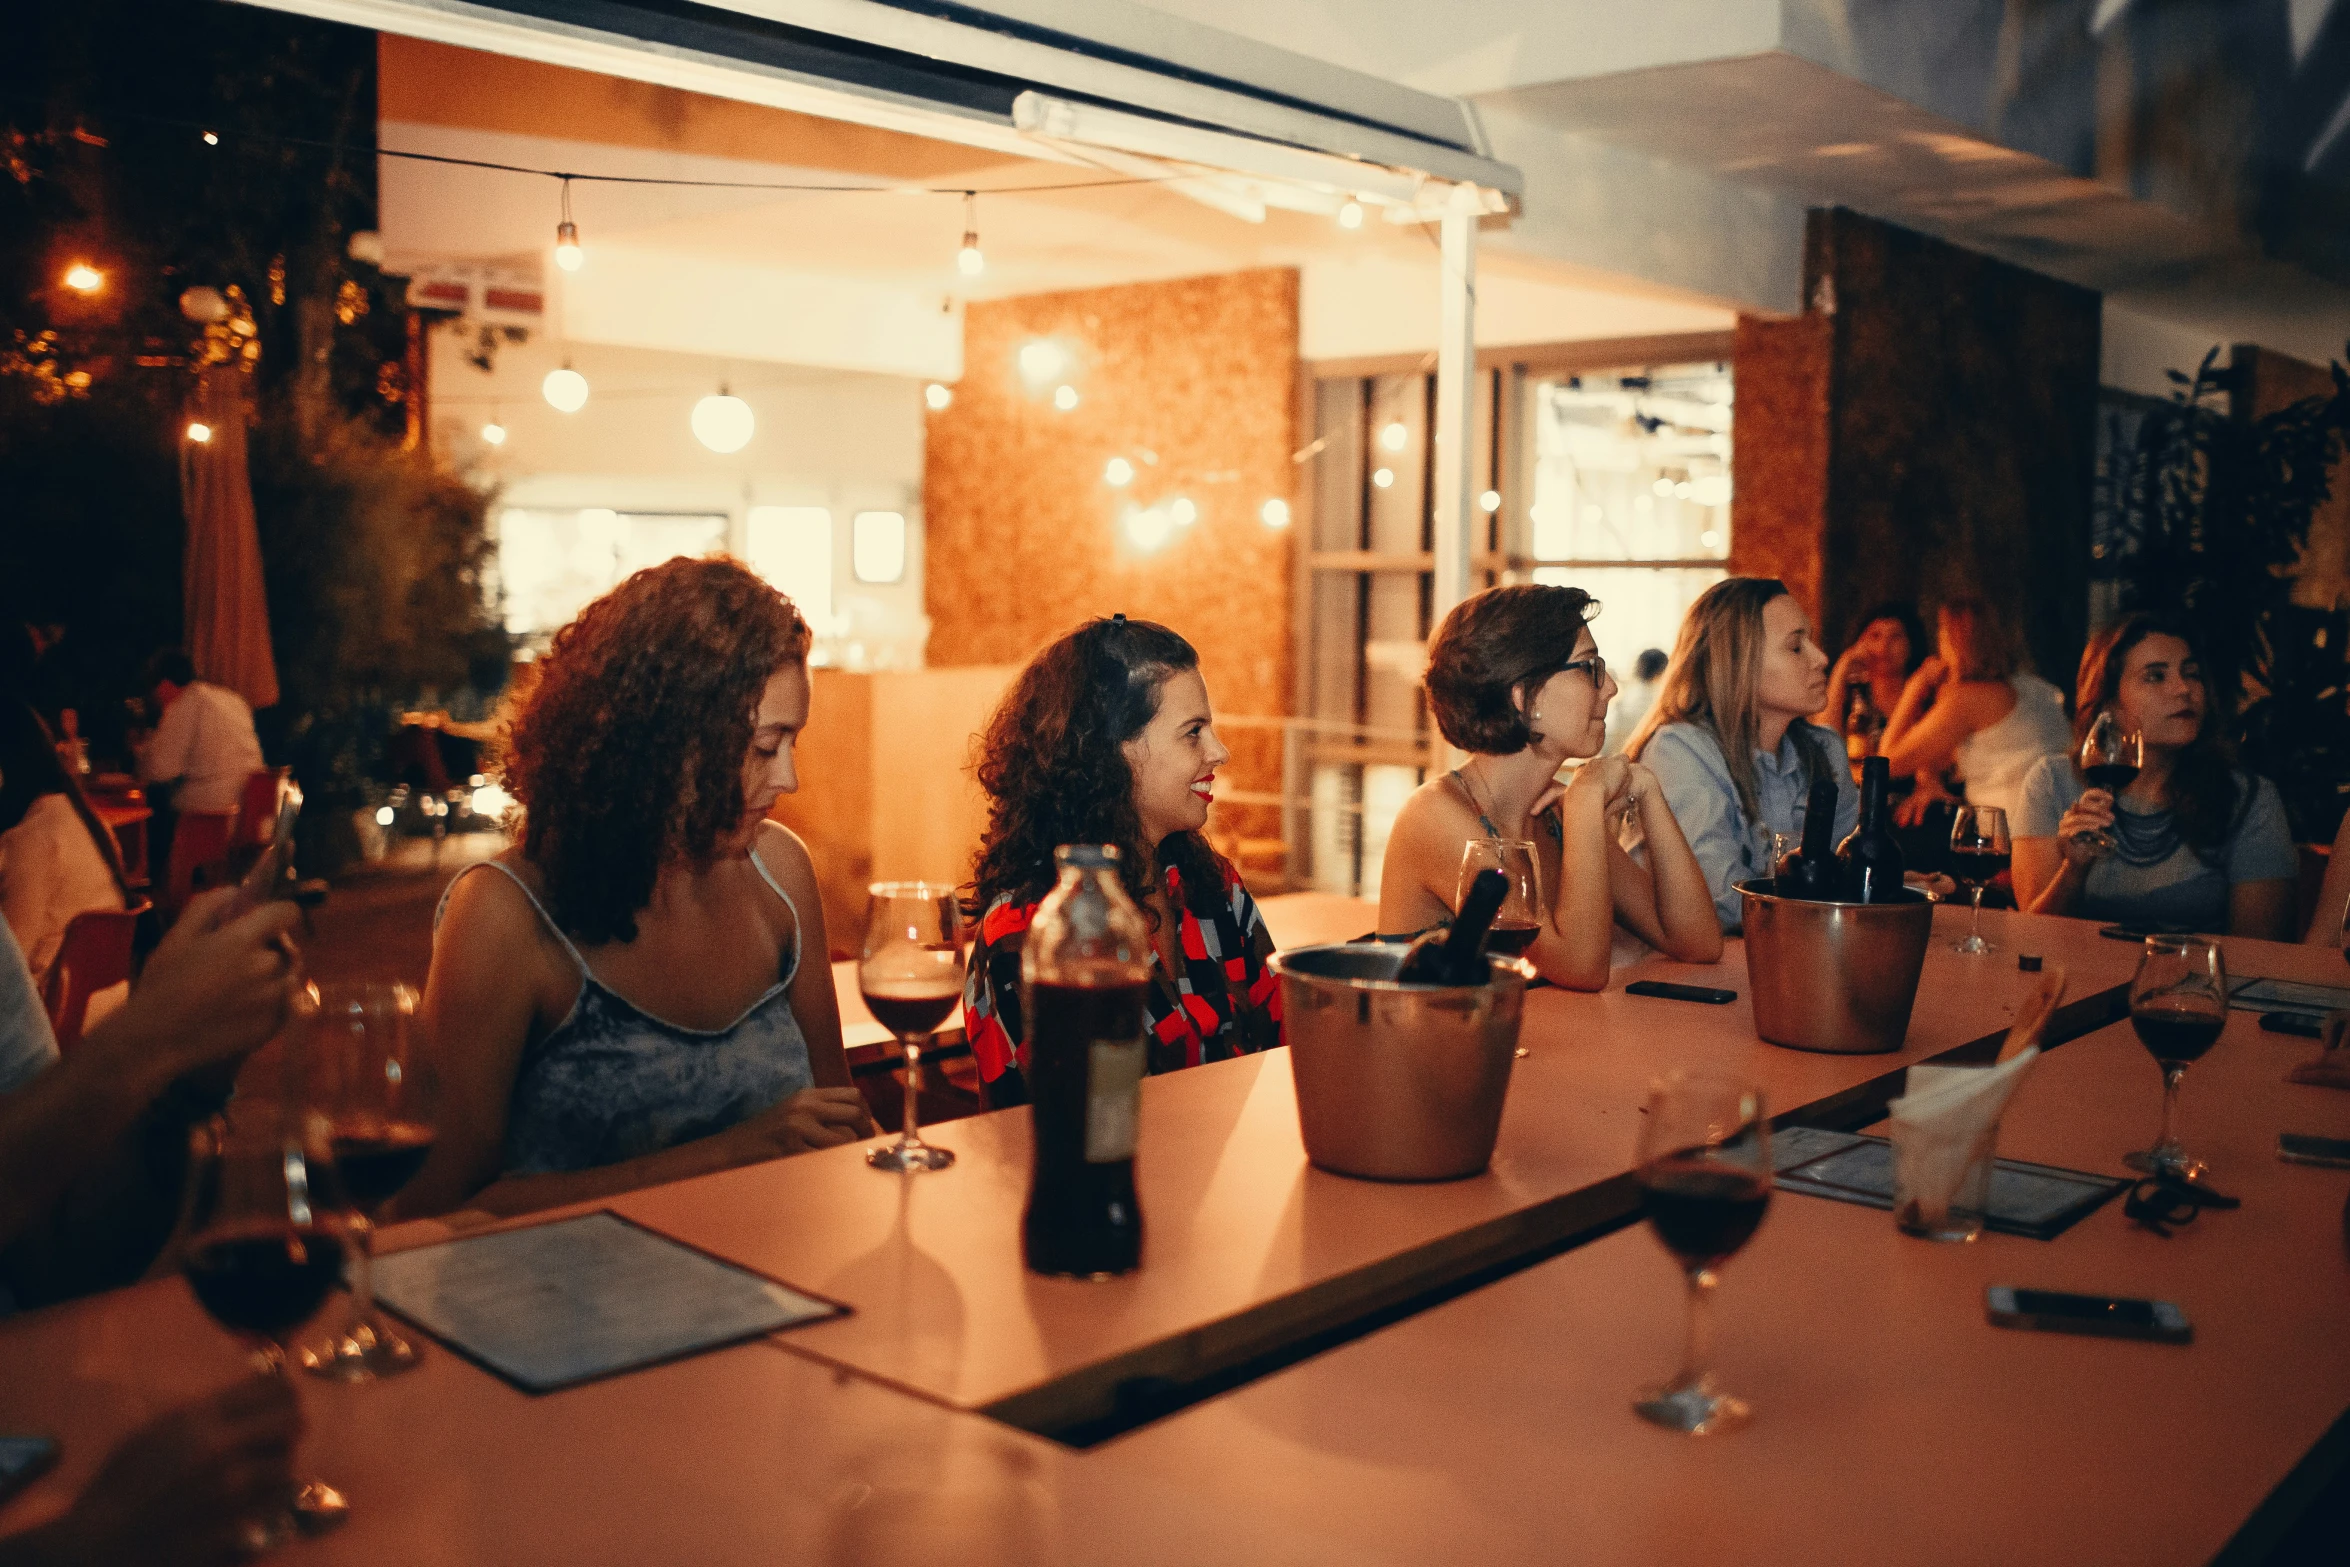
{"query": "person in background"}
{"type": "Point", "coordinates": [2329, 922]}
{"type": "Point", "coordinates": [204, 746]}
{"type": "Point", "coordinates": [1107, 737]}
{"type": "Point", "coordinates": [1729, 738]}
{"type": "Point", "coordinates": [1515, 679]}
{"type": "Point", "coordinates": [1632, 704]}
{"type": "Point", "coordinates": [641, 989]}
{"type": "Point", "coordinates": [1865, 683]}
{"type": "Point", "coordinates": [2198, 845]}
{"type": "Point", "coordinates": [56, 859]}
{"type": "Point", "coordinates": [1973, 708]}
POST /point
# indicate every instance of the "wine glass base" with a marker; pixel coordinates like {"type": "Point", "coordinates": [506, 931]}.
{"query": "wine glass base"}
{"type": "Point", "coordinates": [1973, 944]}
{"type": "Point", "coordinates": [319, 1508]}
{"type": "Point", "coordinates": [370, 1351]}
{"type": "Point", "coordinates": [2168, 1164]}
{"type": "Point", "coordinates": [1693, 1408]}
{"type": "Point", "coordinates": [910, 1157]}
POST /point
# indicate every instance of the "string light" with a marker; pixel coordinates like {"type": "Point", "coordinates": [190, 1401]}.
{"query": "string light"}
{"type": "Point", "coordinates": [212, 138]}
{"type": "Point", "coordinates": [723, 423]}
{"type": "Point", "coordinates": [1117, 473]}
{"type": "Point", "coordinates": [1396, 436]}
{"type": "Point", "coordinates": [1274, 513]}
{"type": "Point", "coordinates": [1064, 397]}
{"type": "Point", "coordinates": [1383, 478]}
{"type": "Point", "coordinates": [568, 255]}
{"type": "Point", "coordinates": [1350, 216]}
{"type": "Point", "coordinates": [199, 432]}
{"type": "Point", "coordinates": [566, 389]}
{"type": "Point", "coordinates": [969, 261]}
{"type": "Point", "coordinates": [1489, 502]}
{"type": "Point", "coordinates": [83, 278]}
{"type": "Point", "coordinates": [939, 396]}
{"type": "Point", "coordinates": [494, 433]}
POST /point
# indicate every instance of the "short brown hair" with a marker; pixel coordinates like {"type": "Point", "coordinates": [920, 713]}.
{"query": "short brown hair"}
{"type": "Point", "coordinates": [628, 750]}
{"type": "Point", "coordinates": [1979, 635]}
{"type": "Point", "coordinates": [1494, 647]}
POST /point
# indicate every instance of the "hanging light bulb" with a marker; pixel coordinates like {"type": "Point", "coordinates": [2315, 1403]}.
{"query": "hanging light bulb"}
{"type": "Point", "coordinates": [494, 433]}
{"type": "Point", "coordinates": [83, 278]}
{"type": "Point", "coordinates": [724, 422]}
{"type": "Point", "coordinates": [211, 138]}
{"type": "Point", "coordinates": [968, 260]}
{"type": "Point", "coordinates": [566, 389]}
{"type": "Point", "coordinates": [938, 395]}
{"type": "Point", "coordinates": [1350, 216]}
{"type": "Point", "coordinates": [199, 432]}
{"type": "Point", "coordinates": [568, 255]}
{"type": "Point", "coordinates": [1064, 398]}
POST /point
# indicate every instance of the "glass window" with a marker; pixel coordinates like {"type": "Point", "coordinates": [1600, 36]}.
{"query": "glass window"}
{"type": "Point", "coordinates": [553, 564]}
{"type": "Point", "coordinates": [877, 546]}
{"type": "Point", "coordinates": [791, 546]}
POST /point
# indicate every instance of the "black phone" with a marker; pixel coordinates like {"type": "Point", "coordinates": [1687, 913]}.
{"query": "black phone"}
{"type": "Point", "coordinates": [2103, 1316]}
{"type": "Point", "coordinates": [272, 876]}
{"type": "Point", "coordinates": [24, 1459]}
{"type": "Point", "coordinates": [2304, 1148]}
{"type": "Point", "coordinates": [1663, 991]}
{"type": "Point", "coordinates": [2300, 1023]}
{"type": "Point", "coordinates": [2124, 933]}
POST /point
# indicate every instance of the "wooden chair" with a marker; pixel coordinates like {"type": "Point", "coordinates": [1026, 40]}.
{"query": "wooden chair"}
{"type": "Point", "coordinates": [200, 843]}
{"type": "Point", "coordinates": [95, 954]}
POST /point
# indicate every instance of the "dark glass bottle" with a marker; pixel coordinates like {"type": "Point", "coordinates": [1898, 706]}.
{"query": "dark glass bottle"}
{"type": "Point", "coordinates": [1457, 956]}
{"type": "Point", "coordinates": [1085, 971]}
{"type": "Point", "coordinates": [1811, 871]}
{"type": "Point", "coordinates": [1869, 861]}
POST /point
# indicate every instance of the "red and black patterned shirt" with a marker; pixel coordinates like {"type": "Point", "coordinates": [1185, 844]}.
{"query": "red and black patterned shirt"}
{"type": "Point", "coordinates": [1225, 1003]}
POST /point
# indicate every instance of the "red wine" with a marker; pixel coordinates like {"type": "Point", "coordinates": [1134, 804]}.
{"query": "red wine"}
{"type": "Point", "coordinates": [1510, 938]}
{"type": "Point", "coordinates": [2175, 1034]}
{"type": "Point", "coordinates": [1702, 1209]}
{"type": "Point", "coordinates": [1086, 1058]}
{"type": "Point", "coordinates": [1977, 865]}
{"type": "Point", "coordinates": [911, 1006]}
{"type": "Point", "coordinates": [1456, 956]}
{"type": "Point", "coordinates": [265, 1284]}
{"type": "Point", "coordinates": [2112, 776]}
{"type": "Point", "coordinates": [377, 1159]}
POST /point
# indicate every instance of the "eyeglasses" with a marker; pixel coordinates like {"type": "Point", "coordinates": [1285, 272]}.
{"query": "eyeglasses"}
{"type": "Point", "coordinates": [1594, 666]}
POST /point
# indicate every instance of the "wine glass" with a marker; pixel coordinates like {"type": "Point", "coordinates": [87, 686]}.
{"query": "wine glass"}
{"type": "Point", "coordinates": [1519, 920]}
{"type": "Point", "coordinates": [1704, 1168]}
{"type": "Point", "coordinates": [2111, 754]}
{"type": "Point", "coordinates": [2178, 1005]}
{"type": "Point", "coordinates": [355, 1064]}
{"type": "Point", "coordinates": [1979, 851]}
{"type": "Point", "coordinates": [911, 976]}
{"type": "Point", "coordinates": [265, 1221]}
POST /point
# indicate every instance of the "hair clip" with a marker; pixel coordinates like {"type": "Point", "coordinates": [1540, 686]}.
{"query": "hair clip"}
{"type": "Point", "coordinates": [1118, 620]}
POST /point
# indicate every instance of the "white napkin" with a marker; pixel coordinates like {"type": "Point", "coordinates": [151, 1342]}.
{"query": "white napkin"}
{"type": "Point", "coordinates": [1944, 1119]}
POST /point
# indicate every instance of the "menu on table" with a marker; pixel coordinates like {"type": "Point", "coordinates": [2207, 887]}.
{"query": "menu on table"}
{"type": "Point", "coordinates": [552, 1305]}
{"type": "Point", "coordinates": [2035, 1200]}
{"type": "Point", "coordinates": [2285, 995]}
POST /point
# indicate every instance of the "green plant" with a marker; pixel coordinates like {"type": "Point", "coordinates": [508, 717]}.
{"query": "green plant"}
{"type": "Point", "coordinates": [2226, 504]}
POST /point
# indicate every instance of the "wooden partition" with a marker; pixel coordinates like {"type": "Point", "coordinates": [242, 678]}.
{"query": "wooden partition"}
{"type": "Point", "coordinates": [886, 791]}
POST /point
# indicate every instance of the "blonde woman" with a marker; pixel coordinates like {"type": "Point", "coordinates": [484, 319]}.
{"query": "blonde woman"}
{"type": "Point", "coordinates": [1973, 706]}
{"type": "Point", "coordinates": [1730, 740]}
{"type": "Point", "coordinates": [1515, 680]}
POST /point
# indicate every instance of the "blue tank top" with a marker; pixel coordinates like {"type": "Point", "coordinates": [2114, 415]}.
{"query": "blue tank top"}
{"type": "Point", "coordinates": [613, 1082]}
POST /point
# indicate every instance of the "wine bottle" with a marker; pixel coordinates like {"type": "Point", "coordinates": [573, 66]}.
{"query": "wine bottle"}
{"type": "Point", "coordinates": [1457, 956]}
{"type": "Point", "coordinates": [1085, 977]}
{"type": "Point", "coordinates": [1811, 872]}
{"type": "Point", "coordinates": [1869, 860]}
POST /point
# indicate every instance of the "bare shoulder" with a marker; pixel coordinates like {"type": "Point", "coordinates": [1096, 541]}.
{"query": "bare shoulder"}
{"type": "Point", "coordinates": [787, 859]}
{"type": "Point", "coordinates": [486, 907]}
{"type": "Point", "coordinates": [1434, 811]}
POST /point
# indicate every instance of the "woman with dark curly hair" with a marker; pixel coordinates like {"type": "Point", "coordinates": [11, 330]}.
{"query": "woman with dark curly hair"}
{"type": "Point", "coordinates": [624, 1000]}
{"type": "Point", "coordinates": [1107, 737]}
{"type": "Point", "coordinates": [1515, 679]}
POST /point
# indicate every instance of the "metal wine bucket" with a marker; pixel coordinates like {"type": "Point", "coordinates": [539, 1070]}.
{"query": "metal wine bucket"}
{"type": "Point", "coordinates": [1396, 1082]}
{"type": "Point", "coordinates": [1837, 977]}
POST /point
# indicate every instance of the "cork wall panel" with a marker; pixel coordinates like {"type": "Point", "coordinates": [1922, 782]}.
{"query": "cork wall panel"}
{"type": "Point", "coordinates": [1779, 463]}
{"type": "Point", "coordinates": [1192, 382]}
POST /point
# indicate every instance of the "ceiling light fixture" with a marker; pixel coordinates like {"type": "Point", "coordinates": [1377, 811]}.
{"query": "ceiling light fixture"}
{"type": "Point", "coordinates": [566, 390]}
{"type": "Point", "coordinates": [939, 396]}
{"type": "Point", "coordinates": [969, 261]}
{"type": "Point", "coordinates": [494, 433]}
{"type": "Point", "coordinates": [723, 423]}
{"type": "Point", "coordinates": [1350, 216]}
{"type": "Point", "coordinates": [83, 278]}
{"type": "Point", "coordinates": [199, 432]}
{"type": "Point", "coordinates": [1274, 513]}
{"type": "Point", "coordinates": [568, 255]}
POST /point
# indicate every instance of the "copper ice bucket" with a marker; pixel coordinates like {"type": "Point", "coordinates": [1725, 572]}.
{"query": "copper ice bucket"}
{"type": "Point", "coordinates": [1396, 1082]}
{"type": "Point", "coordinates": [1837, 977]}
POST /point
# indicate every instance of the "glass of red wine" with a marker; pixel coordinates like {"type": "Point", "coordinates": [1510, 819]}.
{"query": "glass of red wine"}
{"type": "Point", "coordinates": [266, 1225]}
{"type": "Point", "coordinates": [911, 976]}
{"type": "Point", "coordinates": [1520, 920]}
{"type": "Point", "coordinates": [2178, 1005]}
{"type": "Point", "coordinates": [1979, 851]}
{"type": "Point", "coordinates": [355, 1064]}
{"type": "Point", "coordinates": [1704, 1168]}
{"type": "Point", "coordinates": [2111, 754]}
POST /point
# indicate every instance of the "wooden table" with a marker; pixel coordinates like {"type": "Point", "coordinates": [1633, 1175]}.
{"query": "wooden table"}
{"type": "Point", "coordinates": [1892, 1422]}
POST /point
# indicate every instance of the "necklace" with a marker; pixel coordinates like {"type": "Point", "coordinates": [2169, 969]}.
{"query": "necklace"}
{"type": "Point", "coordinates": [2143, 840]}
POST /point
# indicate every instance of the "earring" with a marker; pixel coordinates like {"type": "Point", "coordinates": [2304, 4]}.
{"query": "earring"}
{"type": "Point", "coordinates": [1535, 716]}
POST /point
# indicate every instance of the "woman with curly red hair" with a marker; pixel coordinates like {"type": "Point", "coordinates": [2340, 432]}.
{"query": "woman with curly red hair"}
{"type": "Point", "coordinates": [640, 991]}
{"type": "Point", "coordinates": [1107, 737]}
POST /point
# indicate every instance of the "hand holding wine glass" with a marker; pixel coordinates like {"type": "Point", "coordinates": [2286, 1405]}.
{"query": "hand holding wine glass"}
{"type": "Point", "coordinates": [1979, 852]}
{"type": "Point", "coordinates": [356, 1064]}
{"type": "Point", "coordinates": [2112, 752]}
{"type": "Point", "coordinates": [1704, 1168]}
{"type": "Point", "coordinates": [2179, 1007]}
{"type": "Point", "coordinates": [911, 976]}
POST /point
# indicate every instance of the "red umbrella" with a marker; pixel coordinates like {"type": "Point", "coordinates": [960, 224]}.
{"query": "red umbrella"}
{"type": "Point", "coordinates": [227, 611]}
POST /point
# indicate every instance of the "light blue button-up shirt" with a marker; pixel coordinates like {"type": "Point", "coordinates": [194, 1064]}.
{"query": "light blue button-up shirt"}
{"type": "Point", "coordinates": [27, 1047]}
{"type": "Point", "coordinates": [1688, 762]}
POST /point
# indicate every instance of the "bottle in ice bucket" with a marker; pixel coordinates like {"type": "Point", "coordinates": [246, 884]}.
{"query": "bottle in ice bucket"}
{"type": "Point", "coordinates": [1084, 972]}
{"type": "Point", "coordinates": [1870, 858]}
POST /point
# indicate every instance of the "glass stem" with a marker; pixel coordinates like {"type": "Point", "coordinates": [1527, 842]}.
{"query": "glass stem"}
{"type": "Point", "coordinates": [908, 1133]}
{"type": "Point", "coordinates": [1697, 1353]}
{"type": "Point", "coordinates": [362, 1274]}
{"type": "Point", "coordinates": [1974, 929]}
{"type": "Point", "coordinates": [2168, 1142]}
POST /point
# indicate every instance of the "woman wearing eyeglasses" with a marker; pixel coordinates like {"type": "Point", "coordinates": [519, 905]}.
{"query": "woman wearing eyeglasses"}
{"type": "Point", "coordinates": [1515, 679]}
{"type": "Point", "coordinates": [1730, 739]}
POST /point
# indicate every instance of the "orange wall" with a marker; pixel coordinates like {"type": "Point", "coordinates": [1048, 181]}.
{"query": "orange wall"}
{"type": "Point", "coordinates": [1021, 533]}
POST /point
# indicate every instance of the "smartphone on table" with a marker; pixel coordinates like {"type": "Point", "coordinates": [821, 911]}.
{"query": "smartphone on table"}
{"type": "Point", "coordinates": [1705, 994]}
{"type": "Point", "coordinates": [2332, 1153]}
{"type": "Point", "coordinates": [24, 1459]}
{"type": "Point", "coordinates": [2102, 1316]}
